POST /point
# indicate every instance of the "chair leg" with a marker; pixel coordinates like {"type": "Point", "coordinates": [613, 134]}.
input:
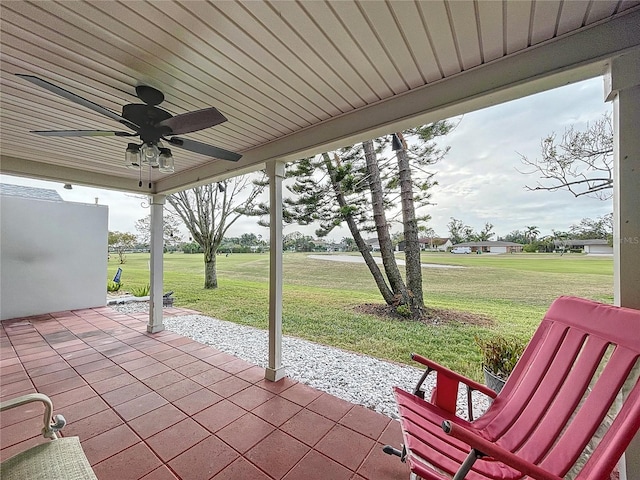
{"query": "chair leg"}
{"type": "Point", "coordinates": [389, 450]}
{"type": "Point", "coordinates": [467, 464]}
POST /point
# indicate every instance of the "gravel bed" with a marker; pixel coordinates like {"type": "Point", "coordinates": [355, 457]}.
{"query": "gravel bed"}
{"type": "Point", "coordinates": [356, 378]}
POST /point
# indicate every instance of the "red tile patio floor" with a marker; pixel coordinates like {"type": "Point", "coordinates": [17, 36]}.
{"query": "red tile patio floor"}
{"type": "Point", "coordinates": [162, 406]}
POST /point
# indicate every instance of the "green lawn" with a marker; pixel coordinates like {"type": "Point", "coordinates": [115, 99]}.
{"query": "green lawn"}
{"type": "Point", "coordinates": [320, 298]}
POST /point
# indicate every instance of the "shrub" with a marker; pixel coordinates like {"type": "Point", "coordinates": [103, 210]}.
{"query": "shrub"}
{"type": "Point", "coordinates": [500, 354]}
{"type": "Point", "coordinates": [191, 248]}
{"type": "Point", "coordinates": [141, 291]}
{"type": "Point", "coordinates": [113, 286]}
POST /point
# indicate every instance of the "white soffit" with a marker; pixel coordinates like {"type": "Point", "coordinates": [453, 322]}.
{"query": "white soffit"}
{"type": "Point", "coordinates": [293, 78]}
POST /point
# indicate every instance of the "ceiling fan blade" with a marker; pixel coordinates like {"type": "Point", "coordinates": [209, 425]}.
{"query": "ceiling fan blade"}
{"type": "Point", "coordinates": [81, 133]}
{"type": "Point", "coordinates": [194, 121]}
{"type": "Point", "coordinates": [204, 149]}
{"type": "Point", "coordinates": [78, 99]}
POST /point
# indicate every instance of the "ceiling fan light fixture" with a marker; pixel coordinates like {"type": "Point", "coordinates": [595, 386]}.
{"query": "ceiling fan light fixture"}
{"type": "Point", "coordinates": [150, 153]}
{"type": "Point", "coordinates": [132, 156]}
{"type": "Point", "coordinates": [165, 161]}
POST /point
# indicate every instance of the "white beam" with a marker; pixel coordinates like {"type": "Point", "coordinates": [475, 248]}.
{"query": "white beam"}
{"type": "Point", "coordinates": [275, 370]}
{"type": "Point", "coordinates": [622, 87]}
{"type": "Point", "coordinates": [156, 264]}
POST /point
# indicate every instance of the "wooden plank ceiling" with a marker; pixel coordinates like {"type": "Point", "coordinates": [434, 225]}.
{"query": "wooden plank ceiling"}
{"type": "Point", "coordinates": [283, 72]}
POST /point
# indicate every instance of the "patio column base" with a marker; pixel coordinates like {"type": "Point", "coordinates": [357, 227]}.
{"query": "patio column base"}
{"type": "Point", "coordinates": [274, 374]}
{"type": "Point", "coordinates": [155, 328]}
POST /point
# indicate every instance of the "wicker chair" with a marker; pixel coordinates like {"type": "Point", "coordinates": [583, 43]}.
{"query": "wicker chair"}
{"type": "Point", "coordinates": [61, 458]}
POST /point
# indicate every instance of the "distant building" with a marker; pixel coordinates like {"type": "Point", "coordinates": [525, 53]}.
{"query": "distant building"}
{"type": "Point", "coordinates": [598, 246]}
{"type": "Point", "coordinates": [491, 246]}
{"type": "Point", "coordinates": [436, 244]}
{"type": "Point", "coordinates": [430, 244]}
{"type": "Point", "coordinates": [335, 247]}
{"type": "Point", "coordinates": [21, 191]}
{"type": "Point", "coordinates": [374, 244]}
{"type": "Point", "coordinates": [326, 246]}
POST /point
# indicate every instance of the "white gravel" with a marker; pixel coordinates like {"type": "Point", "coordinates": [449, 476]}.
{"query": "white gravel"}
{"type": "Point", "coordinates": [356, 378]}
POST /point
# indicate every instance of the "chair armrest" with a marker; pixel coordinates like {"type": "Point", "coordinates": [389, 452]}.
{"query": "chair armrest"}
{"type": "Point", "coordinates": [453, 375]}
{"type": "Point", "coordinates": [49, 429]}
{"type": "Point", "coordinates": [497, 452]}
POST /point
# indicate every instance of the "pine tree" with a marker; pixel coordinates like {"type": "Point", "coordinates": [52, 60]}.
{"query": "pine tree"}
{"type": "Point", "coordinates": [359, 187]}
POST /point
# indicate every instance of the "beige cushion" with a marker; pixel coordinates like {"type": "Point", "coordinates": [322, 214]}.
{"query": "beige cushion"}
{"type": "Point", "coordinates": [60, 459]}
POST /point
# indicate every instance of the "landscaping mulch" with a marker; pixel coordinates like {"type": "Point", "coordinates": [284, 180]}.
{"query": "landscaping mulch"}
{"type": "Point", "coordinates": [432, 316]}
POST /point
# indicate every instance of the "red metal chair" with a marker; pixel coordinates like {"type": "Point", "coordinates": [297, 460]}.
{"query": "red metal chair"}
{"type": "Point", "coordinates": [569, 409]}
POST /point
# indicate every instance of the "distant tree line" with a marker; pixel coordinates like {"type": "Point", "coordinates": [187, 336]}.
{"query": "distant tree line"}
{"type": "Point", "coordinates": [459, 232]}
{"type": "Point", "coordinates": [599, 228]}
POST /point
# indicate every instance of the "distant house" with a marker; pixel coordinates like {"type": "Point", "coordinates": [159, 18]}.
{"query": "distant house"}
{"type": "Point", "coordinates": [593, 246]}
{"type": "Point", "coordinates": [490, 246]}
{"type": "Point", "coordinates": [374, 244]}
{"type": "Point", "coordinates": [335, 247]}
{"type": "Point", "coordinates": [430, 244]}
{"type": "Point", "coordinates": [438, 244]}
{"type": "Point", "coordinates": [324, 245]}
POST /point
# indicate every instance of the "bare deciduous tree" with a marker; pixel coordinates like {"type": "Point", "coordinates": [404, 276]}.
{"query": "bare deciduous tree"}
{"type": "Point", "coordinates": [581, 161]}
{"type": "Point", "coordinates": [170, 226]}
{"type": "Point", "coordinates": [209, 211]}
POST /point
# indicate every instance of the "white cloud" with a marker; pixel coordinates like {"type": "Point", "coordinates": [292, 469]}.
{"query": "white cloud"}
{"type": "Point", "coordinates": [478, 180]}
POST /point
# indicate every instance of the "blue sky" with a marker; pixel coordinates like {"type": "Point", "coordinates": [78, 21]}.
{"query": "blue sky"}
{"type": "Point", "coordinates": [478, 180]}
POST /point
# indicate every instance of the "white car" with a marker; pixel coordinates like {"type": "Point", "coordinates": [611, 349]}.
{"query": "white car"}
{"type": "Point", "coordinates": [461, 250]}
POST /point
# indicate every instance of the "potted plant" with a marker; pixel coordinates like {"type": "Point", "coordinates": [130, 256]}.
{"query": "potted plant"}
{"type": "Point", "coordinates": [499, 357]}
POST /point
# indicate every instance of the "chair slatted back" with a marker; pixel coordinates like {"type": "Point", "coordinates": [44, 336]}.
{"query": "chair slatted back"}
{"type": "Point", "coordinates": [565, 385]}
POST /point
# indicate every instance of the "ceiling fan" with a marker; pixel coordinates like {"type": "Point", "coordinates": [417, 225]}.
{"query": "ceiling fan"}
{"type": "Point", "coordinates": [149, 122]}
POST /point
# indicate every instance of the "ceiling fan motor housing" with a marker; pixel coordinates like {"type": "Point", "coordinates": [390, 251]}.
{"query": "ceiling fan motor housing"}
{"type": "Point", "coordinates": [149, 95]}
{"type": "Point", "coordinates": [147, 117]}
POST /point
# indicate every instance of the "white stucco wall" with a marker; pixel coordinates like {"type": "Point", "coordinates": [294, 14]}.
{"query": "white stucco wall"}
{"type": "Point", "coordinates": [53, 256]}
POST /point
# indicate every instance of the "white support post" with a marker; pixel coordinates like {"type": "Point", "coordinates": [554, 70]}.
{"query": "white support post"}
{"type": "Point", "coordinates": [275, 370]}
{"type": "Point", "coordinates": [155, 265]}
{"type": "Point", "coordinates": [622, 87]}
